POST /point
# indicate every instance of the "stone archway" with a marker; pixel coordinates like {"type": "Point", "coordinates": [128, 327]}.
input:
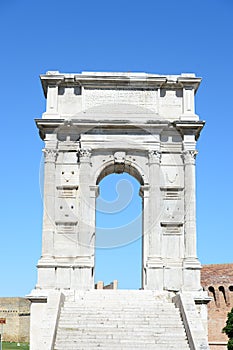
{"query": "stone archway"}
{"type": "Point", "coordinates": [99, 123]}
{"type": "Point", "coordinates": [113, 126]}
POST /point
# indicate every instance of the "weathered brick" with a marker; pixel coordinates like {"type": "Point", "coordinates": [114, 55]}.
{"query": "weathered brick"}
{"type": "Point", "coordinates": [16, 311]}
{"type": "Point", "coordinates": [217, 279]}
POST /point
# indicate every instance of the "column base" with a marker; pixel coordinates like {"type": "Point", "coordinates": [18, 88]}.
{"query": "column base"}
{"type": "Point", "coordinates": [58, 274]}
{"type": "Point", "coordinates": [191, 275]}
{"type": "Point", "coordinates": [154, 274]}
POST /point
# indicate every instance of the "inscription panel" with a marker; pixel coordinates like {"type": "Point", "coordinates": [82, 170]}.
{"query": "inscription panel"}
{"type": "Point", "coordinates": [139, 97]}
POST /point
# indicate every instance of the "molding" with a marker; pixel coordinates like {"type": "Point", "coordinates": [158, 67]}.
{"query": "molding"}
{"type": "Point", "coordinates": [172, 228]}
{"type": "Point", "coordinates": [67, 191]}
{"type": "Point", "coordinates": [189, 81]}
{"type": "Point", "coordinates": [172, 192]}
{"type": "Point", "coordinates": [94, 191]}
{"type": "Point", "coordinates": [66, 227]}
{"type": "Point", "coordinates": [189, 127]}
{"type": "Point", "coordinates": [144, 191]}
{"type": "Point", "coordinates": [120, 79]}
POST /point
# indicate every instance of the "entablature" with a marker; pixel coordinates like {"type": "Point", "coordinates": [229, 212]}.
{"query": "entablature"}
{"type": "Point", "coordinates": [121, 79]}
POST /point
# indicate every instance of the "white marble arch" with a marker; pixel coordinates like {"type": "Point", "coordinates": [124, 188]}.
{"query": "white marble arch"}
{"type": "Point", "coordinates": [98, 123]}
{"type": "Point", "coordinates": [152, 136]}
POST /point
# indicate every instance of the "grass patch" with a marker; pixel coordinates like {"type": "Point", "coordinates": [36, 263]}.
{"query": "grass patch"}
{"type": "Point", "coordinates": [13, 346]}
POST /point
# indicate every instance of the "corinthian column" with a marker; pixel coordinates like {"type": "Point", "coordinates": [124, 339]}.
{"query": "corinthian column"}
{"type": "Point", "coordinates": [154, 205]}
{"type": "Point", "coordinates": [86, 220]}
{"type": "Point", "coordinates": [86, 206]}
{"type": "Point", "coordinates": [190, 204]}
{"type": "Point", "coordinates": [50, 156]}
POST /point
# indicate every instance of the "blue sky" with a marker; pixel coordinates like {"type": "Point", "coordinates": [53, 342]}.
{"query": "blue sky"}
{"type": "Point", "coordinates": [154, 36]}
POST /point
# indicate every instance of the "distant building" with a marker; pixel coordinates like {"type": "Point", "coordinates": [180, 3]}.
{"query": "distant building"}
{"type": "Point", "coordinates": [217, 279]}
{"type": "Point", "coordinates": [15, 312]}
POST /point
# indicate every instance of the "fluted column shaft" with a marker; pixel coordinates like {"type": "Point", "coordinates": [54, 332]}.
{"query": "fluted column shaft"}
{"type": "Point", "coordinates": [87, 203]}
{"type": "Point", "coordinates": [154, 204]}
{"type": "Point", "coordinates": [50, 156]}
{"type": "Point", "coordinates": [190, 203]}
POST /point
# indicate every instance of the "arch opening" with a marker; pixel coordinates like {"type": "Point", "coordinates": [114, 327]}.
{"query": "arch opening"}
{"type": "Point", "coordinates": [222, 292]}
{"type": "Point", "coordinates": [119, 244]}
{"type": "Point", "coordinates": [120, 168]}
{"type": "Point", "coordinates": [213, 294]}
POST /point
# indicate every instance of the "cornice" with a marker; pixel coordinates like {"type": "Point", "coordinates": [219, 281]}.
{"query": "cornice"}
{"type": "Point", "coordinates": [189, 127]}
{"type": "Point", "coordinates": [186, 81]}
{"type": "Point", "coordinates": [50, 125]}
{"type": "Point", "coordinates": [119, 80]}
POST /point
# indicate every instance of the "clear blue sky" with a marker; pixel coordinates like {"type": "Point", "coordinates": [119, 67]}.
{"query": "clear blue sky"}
{"type": "Point", "coordinates": [155, 36]}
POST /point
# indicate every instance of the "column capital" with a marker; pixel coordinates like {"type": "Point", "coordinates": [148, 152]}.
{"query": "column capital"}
{"type": "Point", "coordinates": [189, 156]}
{"type": "Point", "coordinates": [154, 156]}
{"type": "Point", "coordinates": [84, 154]}
{"type": "Point", "coordinates": [50, 155]}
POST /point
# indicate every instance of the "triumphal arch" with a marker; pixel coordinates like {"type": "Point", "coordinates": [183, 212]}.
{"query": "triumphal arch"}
{"type": "Point", "coordinates": [96, 124]}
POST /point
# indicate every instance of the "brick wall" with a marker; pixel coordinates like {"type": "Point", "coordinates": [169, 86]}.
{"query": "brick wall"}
{"type": "Point", "coordinates": [217, 279]}
{"type": "Point", "coordinates": [16, 311]}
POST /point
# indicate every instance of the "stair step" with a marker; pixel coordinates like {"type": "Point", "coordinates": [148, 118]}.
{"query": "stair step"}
{"type": "Point", "coordinates": [120, 320]}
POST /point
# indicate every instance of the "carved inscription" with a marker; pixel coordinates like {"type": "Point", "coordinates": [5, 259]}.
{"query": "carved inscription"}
{"type": "Point", "coordinates": [140, 97]}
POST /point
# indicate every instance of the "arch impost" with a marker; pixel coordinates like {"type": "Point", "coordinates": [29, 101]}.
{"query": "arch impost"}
{"type": "Point", "coordinates": [144, 191]}
{"type": "Point", "coordinates": [94, 191]}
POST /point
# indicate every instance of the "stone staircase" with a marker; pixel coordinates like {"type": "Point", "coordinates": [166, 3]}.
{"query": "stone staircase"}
{"type": "Point", "coordinates": [120, 319]}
